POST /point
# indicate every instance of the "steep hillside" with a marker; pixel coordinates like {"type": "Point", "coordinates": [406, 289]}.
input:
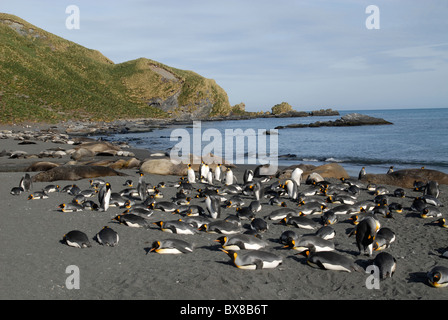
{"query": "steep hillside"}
{"type": "Point", "coordinates": [46, 78]}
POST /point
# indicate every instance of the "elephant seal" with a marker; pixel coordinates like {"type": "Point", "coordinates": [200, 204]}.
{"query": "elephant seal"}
{"type": "Point", "coordinates": [75, 173]}
{"type": "Point", "coordinates": [405, 178]}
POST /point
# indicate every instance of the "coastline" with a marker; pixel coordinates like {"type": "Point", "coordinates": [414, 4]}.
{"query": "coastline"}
{"type": "Point", "coordinates": [35, 261]}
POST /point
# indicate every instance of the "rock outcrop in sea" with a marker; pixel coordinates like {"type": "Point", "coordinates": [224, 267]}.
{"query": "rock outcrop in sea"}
{"type": "Point", "coordinates": [352, 119]}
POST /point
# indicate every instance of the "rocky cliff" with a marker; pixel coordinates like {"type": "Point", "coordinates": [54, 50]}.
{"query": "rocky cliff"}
{"type": "Point", "coordinates": [46, 78]}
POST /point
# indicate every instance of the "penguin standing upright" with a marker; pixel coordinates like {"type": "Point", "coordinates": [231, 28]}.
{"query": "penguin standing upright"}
{"type": "Point", "coordinates": [204, 169]}
{"type": "Point", "coordinates": [190, 174]}
{"type": "Point", "coordinates": [432, 189]}
{"type": "Point", "coordinates": [104, 196]}
{"type": "Point", "coordinates": [362, 173]}
{"type": "Point", "coordinates": [365, 234]}
{"type": "Point", "coordinates": [25, 182]}
{"type": "Point", "coordinates": [248, 176]}
{"type": "Point", "coordinates": [291, 188]}
{"type": "Point", "coordinates": [141, 187]}
{"type": "Point", "coordinates": [391, 169]}
{"type": "Point", "coordinates": [217, 172]}
{"type": "Point", "coordinates": [210, 177]}
{"type": "Point", "coordinates": [296, 176]}
{"type": "Point", "coordinates": [213, 206]}
{"type": "Point", "coordinates": [229, 177]}
{"type": "Point", "coordinates": [257, 190]}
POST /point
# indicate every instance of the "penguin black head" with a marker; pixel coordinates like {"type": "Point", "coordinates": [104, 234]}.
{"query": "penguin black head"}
{"type": "Point", "coordinates": [221, 240]}
{"type": "Point", "coordinates": [117, 218]}
{"type": "Point", "coordinates": [290, 243]}
{"type": "Point", "coordinates": [305, 253]}
{"type": "Point", "coordinates": [155, 246]}
{"type": "Point", "coordinates": [231, 253]}
{"type": "Point", "coordinates": [158, 223]}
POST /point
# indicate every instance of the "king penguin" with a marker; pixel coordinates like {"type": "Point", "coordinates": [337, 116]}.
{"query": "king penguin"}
{"type": "Point", "coordinates": [291, 188]}
{"type": "Point", "coordinates": [77, 239]}
{"type": "Point", "coordinates": [25, 182]}
{"type": "Point", "coordinates": [229, 179]}
{"type": "Point", "coordinates": [191, 176]}
{"type": "Point", "coordinates": [386, 263]}
{"type": "Point", "coordinates": [213, 206]}
{"type": "Point", "coordinates": [104, 196]}
{"type": "Point", "coordinates": [362, 173]}
{"type": "Point", "coordinates": [141, 187]}
{"type": "Point", "coordinates": [241, 242]}
{"type": "Point", "coordinates": [217, 172]}
{"type": "Point", "coordinates": [171, 246]}
{"type": "Point", "coordinates": [331, 260]}
{"type": "Point", "coordinates": [365, 235]}
{"type": "Point", "coordinates": [438, 276]}
{"type": "Point", "coordinates": [107, 237]}
{"type": "Point", "coordinates": [254, 259]}
{"type": "Point", "coordinates": [296, 176]}
{"type": "Point", "coordinates": [248, 176]}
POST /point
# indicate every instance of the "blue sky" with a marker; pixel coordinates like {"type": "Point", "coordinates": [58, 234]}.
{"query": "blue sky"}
{"type": "Point", "coordinates": [312, 54]}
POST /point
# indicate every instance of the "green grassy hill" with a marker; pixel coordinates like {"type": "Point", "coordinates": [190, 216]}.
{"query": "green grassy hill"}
{"type": "Point", "coordinates": [46, 78]}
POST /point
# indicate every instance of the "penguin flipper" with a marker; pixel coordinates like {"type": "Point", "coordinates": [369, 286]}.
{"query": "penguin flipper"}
{"type": "Point", "coordinates": [258, 264]}
{"type": "Point", "coordinates": [240, 245]}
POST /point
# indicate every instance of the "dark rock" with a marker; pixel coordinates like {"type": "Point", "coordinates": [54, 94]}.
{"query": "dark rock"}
{"type": "Point", "coordinates": [352, 119]}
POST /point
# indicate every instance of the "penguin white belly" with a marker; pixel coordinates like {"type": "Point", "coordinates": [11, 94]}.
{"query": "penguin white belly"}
{"type": "Point", "coordinates": [184, 231]}
{"type": "Point", "coordinates": [271, 264]}
{"type": "Point", "coordinates": [335, 267]}
{"type": "Point", "coordinates": [168, 251]}
{"type": "Point", "coordinates": [133, 225]}
{"type": "Point", "coordinates": [73, 244]}
{"type": "Point", "coordinates": [248, 267]}
{"type": "Point", "coordinates": [232, 247]}
{"type": "Point", "coordinates": [252, 246]}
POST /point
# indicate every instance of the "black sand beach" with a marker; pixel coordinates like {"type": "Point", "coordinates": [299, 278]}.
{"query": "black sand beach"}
{"type": "Point", "coordinates": [35, 260]}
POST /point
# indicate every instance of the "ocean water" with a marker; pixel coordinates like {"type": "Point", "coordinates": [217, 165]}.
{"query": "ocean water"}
{"type": "Point", "coordinates": [418, 137]}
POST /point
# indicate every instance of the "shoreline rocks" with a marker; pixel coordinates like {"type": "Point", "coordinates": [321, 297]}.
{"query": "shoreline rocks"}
{"type": "Point", "coordinates": [352, 119]}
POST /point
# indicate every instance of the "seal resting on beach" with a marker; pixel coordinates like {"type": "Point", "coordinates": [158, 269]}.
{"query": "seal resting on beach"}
{"type": "Point", "coordinates": [75, 173]}
{"type": "Point", "coordinates": [41, 166]}
{"type": "Point", "coordinates": [406, 178]}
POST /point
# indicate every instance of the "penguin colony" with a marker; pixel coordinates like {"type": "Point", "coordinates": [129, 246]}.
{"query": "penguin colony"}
{"type": "Point", "coordinates": [214, 202]}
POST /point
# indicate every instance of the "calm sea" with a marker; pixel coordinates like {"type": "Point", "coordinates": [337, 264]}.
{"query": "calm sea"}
{"type": "Point", "coordinates": [418, 137]}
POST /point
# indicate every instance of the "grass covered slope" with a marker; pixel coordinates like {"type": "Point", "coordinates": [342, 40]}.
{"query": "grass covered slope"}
{"type": "Point", "coordinates": [46, 78]}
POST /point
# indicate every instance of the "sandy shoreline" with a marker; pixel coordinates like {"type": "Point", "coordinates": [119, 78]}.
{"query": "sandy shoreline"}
{"type": "Point", "coordinates": [34, 261]}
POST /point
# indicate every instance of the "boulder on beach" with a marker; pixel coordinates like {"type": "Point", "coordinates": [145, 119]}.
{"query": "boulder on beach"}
{"type": "Point", "coordinates": [330, 170]}
{"type": "Point", "coordinates": [405, 178]}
